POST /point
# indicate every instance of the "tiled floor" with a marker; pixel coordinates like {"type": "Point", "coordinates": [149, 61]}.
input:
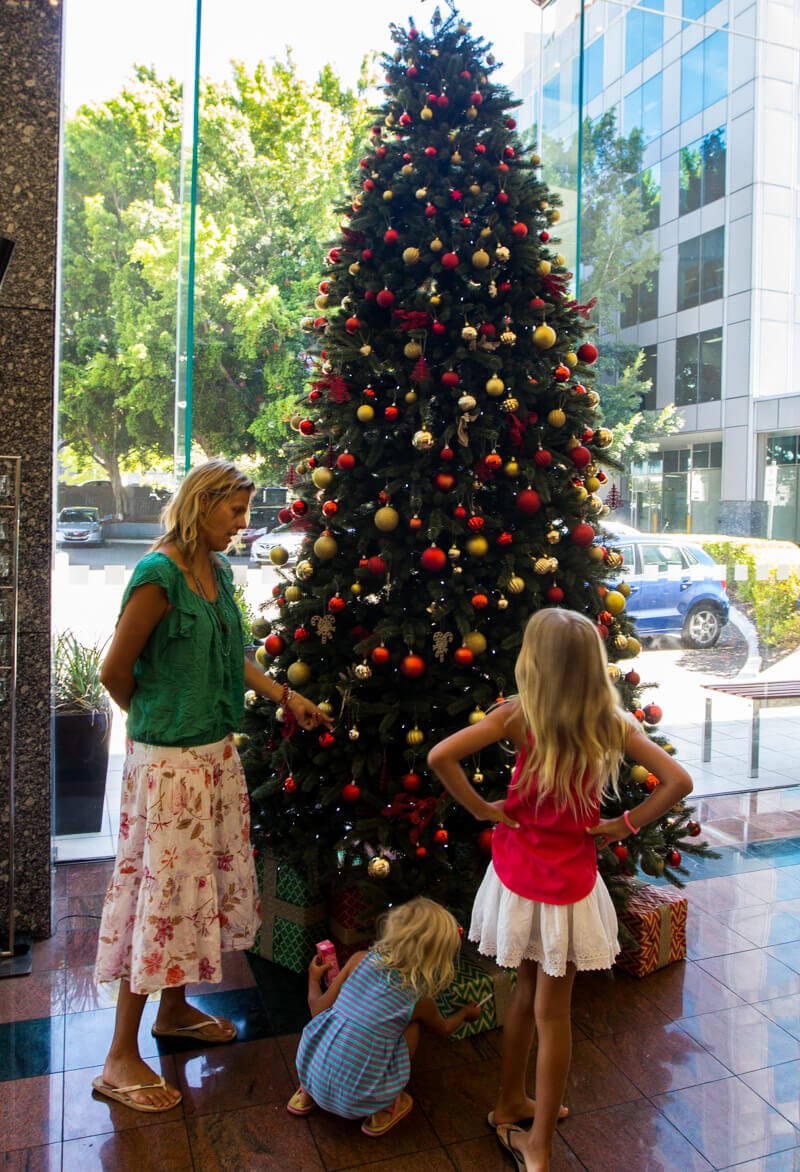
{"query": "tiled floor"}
{"type": "Point", "coordinates": [694, 1067]}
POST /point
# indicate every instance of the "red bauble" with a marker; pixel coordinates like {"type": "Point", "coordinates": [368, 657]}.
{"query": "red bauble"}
{"type": "Point", "coordinates": [330, 509]}
{"type": "Point", "coordinates": [509, 152]}
{"type": "Point", "coordinates": [449, 260]}
{"type": "Point", "coordinates": [366, 255]}
{"type": "Point", "coordinates": [385, 299]}
{"type": "Point", "coordinates": [411, 781]}
{"type": "Point", "coordinates": [582, 534]}
{"type": "Point", "coordinates": [446, 454]}
{"type": "Point", "coordinates": [536, 303]}
{"type": "Point", "coordinates": [528, 501]}
{"type": "Point", "coordinates": [632, 678]}
{"type": "Point", "coordinates": [639, 714]}
{"type": "Point", "coordinates": [459, 512]}
{"type": "Point", "coordinates": [352, 324]}
{"type": "Point", "coordinates": [285, 516]}
{"type": "Point", "coordinates": [693, 829]}
{"type": "Point", "coordinates": [519, 230]}
{"type": "Point", "coordinates": [415, 522]}
{"type": "Point", "coordinates": [544, 237]}
{"type": "Point", "coordinates": [433, 559]}
{"type": "Point", "coordinates": [621, 851]}
{"type": "Point", "coordinates": [554, 594]}
{"type": "Point", "coordinates": [274, 644]}
{"type": "Point", "coordinates": [450, 378]}
{"type": "Point", "coordinates": [511, 123]}
{"type": "Point", "coordinates": [505, 538]}
{"type": "Point", "coordinates": [440, 836]}
{"type": "Point", "coordinates": [412, 71]}
{"type": "Point", "coordinates": [412, 666]}
{"type": "Point", "coordinates": [463, 656]}
{"type": "Point", "coordinates": [580, 456]}
{"type": "Point", "coordinates": [494, 461]}
{"type": "Point", "coordinates": [561, 373]}
{"type": "Point", "coordinates": [376, 566]}
{"type": "Point", "coordinates": [475, 524]}
{"type": "Point", "coordinates": [502, 197]}
{"type": "Point", "coordinates": [485, 840]}
{"type": "Point", "coordinates": [587, 352]}
{"type": "Point", "coordinates": [313, 396]}
{"type": "Point", "coordinates": [543, 458]}
{"type": "Point", "coordinates": [652, 713]}
{"type": "Point", "coordinates": [439, 328]}
{"type": "Point", "coordinates": [421, 852]}
{"type": "Point", "coordinates": [674, 858]}
{"type": "Point", "coordinates": [379, 654]}
{"type": "Point", "coordinates": [299, 508]}
{"type": "Point", "coordinates": [487, 329]}
{"type": "Point", "coordinates": [301, 634]}
{"type": "Point", "coordinates": [651, 782]}
{"type": "Point", "coordinates": [368, 185]}
{"type": "Point", "coordinates": [480, 601]}
{"type": "Point", "coordinates": [476, 98]}
{"type": "Point", "coordinates": [390, 413]}
{"type": "Point", "coordinates": [351, 792]}
{"type": "Point", "coordinates": [277, 590]}
{"type": "Point", "coordinates": [345, 461]}
{"type": "Point", "coordinates": [430, 152]}
{"type": "Point", "coordinates": [391, 236]}
{"type": "Point", "coordinates": [480, 148]}
{"type": "Point", "coordinates": [289, 785]}
{"type": "Point", "coordinates": [326, 740]}
{"type": "Point", "coordinates": [381, 152]}
{"type": "Point", "coordinates": [444, 481]}
{"type": "Point", "coordinates": [336, 604]}
{"type": "Point", "coordinates": [602, 631]}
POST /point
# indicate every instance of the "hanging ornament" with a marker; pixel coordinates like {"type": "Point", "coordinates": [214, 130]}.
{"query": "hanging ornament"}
{"type": "Point", "coordinates": [380, 654]}
{"type": "Point", "coordinates": [502, 602]}
{"type": "Point", "coordinates": [441, 642]}
{"type": "Point", "coordinates": [351, 792]}
{"type": "Point", "coordinates": [415, 736]}
{"type": "Point", "coordinates": [412, 666]}
{"type": "Point", "coordinates": [422, 440]}
{"type": "Point", "coordinates": [463, 656]}
{"type": "Point", "coordinates": [326, 547]}
{"type": "Point", "coordinates": [353, 734]}
{"type": "Point", "coordinates": [515, 584]}
{"type": "Point", "coordinates": [476, 716]}
{"type": "Point", "coordinates": [378, 867]}
{"type": "Point", "coordinates": [335, 605]}
{"type": "Point", "coordinates": [387, 519]}
{"type": "Point", "coordinates": [362, 671]}
{"type": "Point", "coordinates": [544, 336]}
{"type": "Point", "coordinates": [433, 559]}
{"type": "Point", "coordinates": [325, 624]}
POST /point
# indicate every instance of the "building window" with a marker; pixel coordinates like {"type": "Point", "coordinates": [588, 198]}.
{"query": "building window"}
{"type": "Point", "coordinates": [649, 373]}
{"type": "Point", "coordinates": [702, 171]}
{"type": "Point", "coordinates": [704, 75]}
{"type": "Point", "coordinates": [642, 303]}
{"type": "Point", "coordinates": [551, 101]}
{"type": "Point", "coordinates": [644, 32]}
{"type": "Point", "coordinates": [701, 269]}
{"type": "Point", "coordinates": [642, 109]}
{"type": "Point", "coordinates": [694, 9]}
{"type": "Point", "coordinates": [706, 456]}
{"type": "Point", "coordinates": [782, 449]}
{"type": "Point", "coordinates": [698, 368]}
{"type": "Point", "coordinates": [592, 72]}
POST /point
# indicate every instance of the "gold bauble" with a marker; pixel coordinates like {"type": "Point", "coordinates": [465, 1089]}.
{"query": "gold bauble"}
{"type": "Point", "coordinates": [544, 336]}
{"type": "Point", "coordinates": [426, 113]}
{"type": "Point", "coordinates": [502, 253]}
{"type": "Point", "coordinates": [436, 245]}
{"type": "Point", "coordinates": [469, 333]}
{"type": "Point", "coordinates": [481, 259]}
{"type": "Point", "coordinates": [321, 302]}
{"type": "Point", "coordinates": [407, 169]}
{"type": "Point", "coordinates": [580, 492]}
{"type": "Point", "coordinates": [326, 707]}
{"type": "Point", "coordinates": [412, 349]}
{"type": "Point", "coordinates": [355, 589]}
{"type": "Point", "coordinates": [303, 571]}
{"type": "Point", "coordinates": [638, 774]}
{"type": "Point", "coordinates": [455, 158]}
{"type": "Point", "coordinates": [262, 656]}
{"type": "Point", "coordinates": [543, 268]}
{"type": "Point", "coordinates": [510, 404]}
{"type": "Point", "coordinates": [365, 413]}
{"type": "Point", "coordinates": [502, 603]}
{"type": "Point", "coordinates": [467, 402]}
{"type": "Point", "coordinates": [516, 584]}
{"type": "Point", "coordinates": [322, 477]}
{"type": "Point", "coordinates": [478, 546]}
{"type": "Point", "coordinates": [495, 386]}
{"type": "Point", "coordinates": [298, 673]}
{"type": "Point", "coordinates": [614, 673]}
{"type": "Point", "coordinates": [378, 868]}
{"type": "Point", "coordinates": [410, 256]}
{"type": "Point", "coordinates": [293, 593]}
{"type": "Point", "coordinates": [325, 547]}
{"type": "Point", "coordinates": [477, 777]}
{"type": "Point", "coordinates": [415, 736]}
{"type": "Point", "coordinates": [362, 671]}
{"type": "Point", "coordinates": [614, 601]}
{"type": "Point", "coordinates": [476, 716]}
{"type": "Point", "coordinates": [624, 588]}
{"type": "Point", "coordinates": [278, 555]}
{"type": "Point", "coordinates": [386, 519]}
{"type": "Point", "coordinates": [592, 398]}
{"type": "Point", "coordinates": [556, 417]}
{"type": "Point", "coordinates": [571, 358]}
{"type": "Point", "coordinates": [511, 469]}
{"type": "Point", "coordinates": [475, 189]}
{"type": "Point", "coordinates": [542, 565]}
{"type": "Point", "coordinates": [603, 437]}
{"type": "Point", "coordinates": [633, 646]}
{"type": "Point", "coordinates": [614, 560]}
{"type": "Point", "coordinates": [508, 337]}
{"type": "Point", "coordinates": [621, 642]}
{"type": "Point", "coordinates": [410, 396]}
{"type": "Point", "coordinates": [422, 440]}
{"type": "Point", "coordinates": [475, 641]}
{"type": "Point", "coordinates": [554, 215]}
{"type": "Point", "coordinates": [592, 483]}
{"type": "Point", "coordinates": [595, 553]}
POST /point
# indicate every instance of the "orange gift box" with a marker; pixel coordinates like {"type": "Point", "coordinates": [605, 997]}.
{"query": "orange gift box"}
{"type": "Point", "coordinates": [656, 919]}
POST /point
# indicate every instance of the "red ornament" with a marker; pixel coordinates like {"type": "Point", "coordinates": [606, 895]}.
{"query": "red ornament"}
{"type": "Point", "coordinates": [528, 501]}
{"type": "Point", "coordinates": [632, 678]}
{"type": "Point", "coordinates": [386, 300]}
{"type": "Point", "coordinates": [463, 656]}
{"type": "Point", "coordinates": [519, 230]}
{"type": "Point", "coordinates": [476, 98]}
{"type": "Point", "coordinates": [376, 566]}
{"type": "Point", "coordinates": [412, 666]}
{"type": "Point", "coordinates": [430, 152]}
{"type": "Point", "coordinates": [391, 236]}
{"type": "Point", "coordinates": [415, 522]}
{"type": "Point", "coordinates": [480, 148]}
{"type": "Point", "coordinates": [582, 534]}
{"type": "Point", "coordinates": [509, 152]}
{"type": "Point", "coordinates": [433, 559]}
{"type": "Point", "coordinates": [301, 634]}
{"type": "Point", "coordinates": [450, 378]}
{"type": "Point", "coordinates": [674, 858]}
{"type": "Point", "coordinates": [413, 33]}
{"type": "Point", "coordinates": [412, 71]}
{"type": "Point", "coordinates": [621, 851]}
{"type": "Point", "coordinates": [511, 123]}
{"type": "Point", "coordinates": [449, 260]}
{"type": "Point", "coordinates": [587, 352]}
{"type": "Point", "coordinates": [277, 590]}
{"type": "Point", "coordinates": [326, 740]}
{"type": "Point", "coordinates": [494, 460]}
{"type": "Point", "coordinates": [459, 512]}
{"type": "Point", "coordinates": [299, 508]}
{"type": "Point", "coordinates": [285, 516]}
{"type": "Point", "coordinates": [366, 255]}
{"type": "Point", "coordinates": [486, 329]}
{"type": "Point", "coordinates": [479, 601]}
{"type": "Point", "coordinates": [580, 456]}
{"type": "Point", "coordinates": [381, 152]}
{"type": "Point", "coordinates": [405, 119]}
{"type": "Point", "coordinates": [336, 604]}
{"type": "Point", "coordinates": [352, 324]}
{"type": "Point", "coordinates": [554, 594]}
{"type": "Point", "coordinates": [544, 237]}
{"type": "Point", "coordinates": [444, 481]}
{"type": "Point", "coordinates": [651, 782]}
{"type": "Point", "coordinates": [379, 654]}
{"type": "Point", "coordinates": [485, 840]}
{"type": "Point", "coordinates": [602, 631]}
{"type": "Point", "coordinates": [605, 617]}
{"type": "Point", "coordinates": [439, 328]}
{"type": "Point", "coordinates": [330, 509]}
{"type": "Point", "coordinates": [411, 781]}
{"type": "Point", "coordinates": [639, 714]}
{"type": "Point", "coordinates": [390, 413]}
{"type": "Point", "coordinates": [505, 538]}
{"type": "Point", "coordinates": [421, 852]}
{"type": "Point", "coordinates": [368, 185]}
{"type": "Point", "coordinates": [561, 373]}
{"type": "Point", "coordinates": [693, 829]}
{"type": "Point", "coordinates": [289, 785]}
{"type": "Point", "coordinates": [542, 458]}
{"type": "Point", "coordinates": [440, 836]}
{"type": "Point", "coordinates": [475, 524]}
{"type": "Point", "coordinates": [274, 644]}
{"type": "Point", "coordinates": [502, 197]}
{"type": "Point", "coordinates": [314, 396]}
{"type": "Point", "coordinates": [351, 792]}
{"type": "Point", "coordinates": [652, 713]}
{"type": "Point", "coordinates": [345, 461]}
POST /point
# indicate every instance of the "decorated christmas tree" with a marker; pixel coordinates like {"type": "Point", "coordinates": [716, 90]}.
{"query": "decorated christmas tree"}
{"type": "Point", "coordinates": [446, 468]}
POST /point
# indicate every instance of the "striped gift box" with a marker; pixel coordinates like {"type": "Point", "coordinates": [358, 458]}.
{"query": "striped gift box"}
{"type": "Point", "coordinates": [655, 917]}
{"type": "Point", "coordinates": [478, 977]}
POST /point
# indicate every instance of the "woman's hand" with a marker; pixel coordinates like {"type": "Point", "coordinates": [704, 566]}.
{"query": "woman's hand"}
{"type": "Point", "coordinates": [308, 715]}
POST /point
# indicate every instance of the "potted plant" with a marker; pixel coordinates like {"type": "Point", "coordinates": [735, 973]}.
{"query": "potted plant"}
{"type": "Point", "coordinates": [81, 736]}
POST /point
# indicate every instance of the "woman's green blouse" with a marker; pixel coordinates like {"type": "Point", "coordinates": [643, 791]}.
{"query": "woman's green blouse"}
{"type": "Point", "coordinates": [190, 676]}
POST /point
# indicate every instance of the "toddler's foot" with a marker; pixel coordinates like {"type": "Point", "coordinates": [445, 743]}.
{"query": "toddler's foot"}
{"type": "Point", "coordinates": [382, 1121]}
{"type": "Point", "coordinates": [300, 1103]}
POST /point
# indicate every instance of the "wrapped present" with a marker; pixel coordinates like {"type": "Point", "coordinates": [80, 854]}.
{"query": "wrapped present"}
{"type": "Point", "coordinates": [352, 921]}
{"type": "Point", "coordinates": [293, 914]}
{"type": "Point", "coordinates": [655, 917]}
{"type": "Point", "coordinates": [478, 979]}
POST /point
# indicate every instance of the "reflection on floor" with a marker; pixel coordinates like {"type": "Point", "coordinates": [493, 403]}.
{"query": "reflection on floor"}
{"type": "Point", "coordinates": [694, 1067]}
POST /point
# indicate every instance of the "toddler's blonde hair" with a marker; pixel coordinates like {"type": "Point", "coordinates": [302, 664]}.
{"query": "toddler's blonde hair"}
{"type": "Point", "coordinates": [419, 940]}
{"type": "Point", "coordinates": [216, 478]}
{"type": "Point", "coordinates": [577, 725]}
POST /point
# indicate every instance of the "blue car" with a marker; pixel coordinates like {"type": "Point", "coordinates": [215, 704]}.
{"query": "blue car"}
{"type": "Point", "coordinates": [675, 588]}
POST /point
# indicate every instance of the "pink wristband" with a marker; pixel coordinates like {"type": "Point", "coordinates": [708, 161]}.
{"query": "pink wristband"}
{"type": "Point", "coordinates": [626, 818]}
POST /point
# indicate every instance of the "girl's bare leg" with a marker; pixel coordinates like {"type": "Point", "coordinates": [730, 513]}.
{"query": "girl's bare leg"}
{"type": "Point", "coordinates": [124, 1065]}
{"type": "Point", "coordinates": [513, 1102]}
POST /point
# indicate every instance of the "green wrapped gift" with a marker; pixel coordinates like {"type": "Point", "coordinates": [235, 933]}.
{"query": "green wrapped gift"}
{"type": "Point", "coordinates": [478, 979]}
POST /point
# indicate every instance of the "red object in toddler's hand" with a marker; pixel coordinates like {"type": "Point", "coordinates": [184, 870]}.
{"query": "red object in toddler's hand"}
{"type": "Point", "coordinates": [327, 954]}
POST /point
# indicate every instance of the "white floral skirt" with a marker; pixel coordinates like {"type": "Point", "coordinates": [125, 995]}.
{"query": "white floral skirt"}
{"type": "Point", "coordinates": [184, 887]}
{"type": "Point", "coordinates": [513, 928]}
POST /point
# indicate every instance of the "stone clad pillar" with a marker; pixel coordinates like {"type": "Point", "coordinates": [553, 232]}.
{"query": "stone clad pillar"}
{"type": "Point", "coordinates": [30, 110]}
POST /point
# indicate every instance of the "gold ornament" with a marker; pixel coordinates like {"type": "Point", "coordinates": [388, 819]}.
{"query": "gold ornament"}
{"type": "Point", "coordinates": [410, 256]}
{"type": "Point", "coordinates": [508, 337]}
{"type": "Point", "coordinates": [379, 867]}
{"type": "Point", "coordinates": [412, 349]}
{"type": "Point", "coordinates": [476, 716]}
{"type": "Point", "coordinates": [502, 602]}
{"type": "Point", "coordinates": [475, 641]}
{"type": "Point", "coordinates": [293, 593]}
{"type": "Point", "coordinates": [556, 417]}
{"type": "Point", "coordinates": [603, 437]}
{"type": "Point", "coordinates": [454, 553]}
{"type": "Point", "coordinates": [544, 336]}
{"type": "Point", "coordinates": [632, 646]}
{"type": "Point", "coordinates": [510, 404]}
{"type": "Point", "coordinates": [303, 571]}
{"type": "Point", "coordinates": [362, 671]}
{"type": "Point", "coordinates": [469, 333]}
{"type": "Point", "coordinates": [592, 398]}
{"type": "Point", "coordinates": [355, 589]}
{"type": "Point", "coordinates": [298, 673]}
{"type": "Point", "coordinates": [545, 565]}
{"type": "Point", "coordinates": [511, 469]}
{"type": "Point", "coordinates": [467, 402]}
{"type": "Point", "coordinates": [365, 413]}
{"type": "Point", "coordinates": [436, 245]}
{"type": "Point", "coordinates": [415, 736]}
{"type": "Point", "coordinates": [326, 707]}
{"type": "Point", "coordinates": [322, 477]}
{"type": "Point", "coordinates": [410, 396]}
{"type": "Point", "coordinates": [325, 547]}
{"type": "Point", "coordinates": [477, 547]}
{"type": "Point", "coordinates": [502, 253]}
{"type": "Point", "coordinates": [477, 777]}
{"type": "Point", "coordinates": [552, 536]}
{"type": "Point", "coordinates": [278, 555]}
{"type": "Point", "coordinates": [386, 519]}
{"type": "Point", "coordinates": [481, 259]}
{"type": "Point", "coordinates": [495, 386]}
{"type": "Point", "coordinates": [614, 673]}
{"type": "Point", "coordinates": [621, 642]}
{"type": "Point", "coordinates": [251, 699]}
{"type": "Point", "coordinates": [516, 584]}
{"type": "Point", "coordinates": [422, 440]}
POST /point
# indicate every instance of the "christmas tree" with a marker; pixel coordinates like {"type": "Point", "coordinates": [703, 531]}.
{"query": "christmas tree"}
{"type": "Point", "coordinates": [446, 466]}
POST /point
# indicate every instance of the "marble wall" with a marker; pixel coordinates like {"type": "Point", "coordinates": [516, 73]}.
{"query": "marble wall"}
{"type": "Point", "coordinates": [30, 80]}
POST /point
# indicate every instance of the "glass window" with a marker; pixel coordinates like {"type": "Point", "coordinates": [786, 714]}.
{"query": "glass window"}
{"type": "Point", "coordinates": [648, 185]}
{"type": "Point", "coordinates": [702, 171]}
{"type": "Point", "coordinates": [704, 74]}
{"type": "Point", "coordinates": [701, 268]}
{"type": "Point", "coordinates": [642, 304]}
{"type": "Point", "coordinates": [698, 368]}
{"type": "Point", "coordinates": [644, 32]}
{"type": "Point", "coordinates": [649, 372]}
{"type": "Point", "coordinates": [551, 101]}
{"type": "Point", "coordinates": [693, 9]}
{"type": "Point", "coordinates": [782, 449]}
{"type": "Point", "coordinates": [642, 109]}
{"type": "Point", "coordinates": [593, 69]}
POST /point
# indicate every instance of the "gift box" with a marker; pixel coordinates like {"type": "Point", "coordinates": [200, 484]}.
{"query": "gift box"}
{"type": "Point", "coordinates": [351, 925]}
{"type": "Point", "coordinates": [293, 914]}
{"type": "Point", "coordinates": [655, 918]}
{"type": "Point", "coordinates": [478, 977]}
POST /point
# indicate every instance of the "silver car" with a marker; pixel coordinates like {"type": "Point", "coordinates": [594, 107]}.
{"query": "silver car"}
{"type": "Point", "coordinates": [80, 525]}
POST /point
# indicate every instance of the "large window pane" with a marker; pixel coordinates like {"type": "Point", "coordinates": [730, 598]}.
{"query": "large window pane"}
{"type": "Point", "coordinates": [644, 32]}
{"type": "Point", "coordinates": [698, 368]}
{"type": "Point", "coordinates": [701, 270]}
{"type": "Point", "coordinates": [642, 109]}
{"type": "Point", "coordinates": [702, 171]}
{"type": "Point", "coordinates": [704, 74]}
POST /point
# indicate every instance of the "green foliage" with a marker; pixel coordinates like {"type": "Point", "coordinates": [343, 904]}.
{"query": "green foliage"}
{"type": "Point", "coordinates": [635, 430]}
{"type": "Point", "coordinates": [248, 615]}
{"type": "Point", "coordinates": [773, 599]}
{"type": "Point", "coordinates": [76, 674]}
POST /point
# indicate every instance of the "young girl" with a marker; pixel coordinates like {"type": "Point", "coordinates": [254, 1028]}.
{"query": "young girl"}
{"type": "Point", "coordinates": [354, 1057]}
{"type": "Point", "coordinates": [542, 905]}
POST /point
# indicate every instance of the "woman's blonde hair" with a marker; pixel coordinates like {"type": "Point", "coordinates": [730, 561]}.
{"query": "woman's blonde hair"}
{"type": "Point", "coordinates": [577, 725]}
{"type": "Point", "coordinates": [217, 479]}
{"type": "Point", "coordinates": [419, 940]}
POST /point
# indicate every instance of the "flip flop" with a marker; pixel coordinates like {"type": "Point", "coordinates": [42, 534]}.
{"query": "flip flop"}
{"type": "Point", "coordinates": [301, 1103]}
{"type": "Point", "coordinates": [563, 1112]}
{"type": "Point", "coordinates": [507, 1146]}
{"type": "Point", "coordinates": [123, 1094]}
{"type": "Point", "coordinates": [398, 1110]}
{"type": "Point", "coordinates": [197, 1032]}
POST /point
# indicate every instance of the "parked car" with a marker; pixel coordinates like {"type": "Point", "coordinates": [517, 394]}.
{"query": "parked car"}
{"type": "Point", "coordinates": [80, 525]}
{"type": "Point", "coordinates": [618, 528]}
{"type": "Point", "coordinates": [675, 588]}
{"type": "Point", "coordinates": [289, 539]}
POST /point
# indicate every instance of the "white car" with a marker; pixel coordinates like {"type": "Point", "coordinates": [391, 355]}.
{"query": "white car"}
{"type": "Point", "coordinates": [289, 539]}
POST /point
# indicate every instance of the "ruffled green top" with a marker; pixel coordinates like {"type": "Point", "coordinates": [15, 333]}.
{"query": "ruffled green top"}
{"type": "Point", "coordinates": [190, 676]}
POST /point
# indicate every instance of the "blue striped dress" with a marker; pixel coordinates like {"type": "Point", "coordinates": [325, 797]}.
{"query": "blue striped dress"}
{"type": "Point", "coordinates": [353, 1059]}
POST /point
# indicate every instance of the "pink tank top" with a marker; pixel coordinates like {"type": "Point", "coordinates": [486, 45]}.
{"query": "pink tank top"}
{"type": "Point", "coordinates": [550, 857]}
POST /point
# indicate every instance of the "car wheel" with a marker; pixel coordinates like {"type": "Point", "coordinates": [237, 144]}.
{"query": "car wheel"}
{"type": "Point", "coordinates": [702, 628]}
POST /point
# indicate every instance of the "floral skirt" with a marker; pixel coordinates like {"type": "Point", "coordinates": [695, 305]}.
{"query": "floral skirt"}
{"type": "Point", "coordinates": [513, 928]}
{"type": "Point", "coordinates": [184, 887]}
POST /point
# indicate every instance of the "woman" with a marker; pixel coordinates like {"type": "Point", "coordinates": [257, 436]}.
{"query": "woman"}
{"type": "Point", "coordinates": [184, 888]}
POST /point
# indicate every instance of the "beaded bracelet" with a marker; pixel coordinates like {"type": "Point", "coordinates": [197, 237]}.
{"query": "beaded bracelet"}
{"type": "Point", "coordinates": [626, 818]}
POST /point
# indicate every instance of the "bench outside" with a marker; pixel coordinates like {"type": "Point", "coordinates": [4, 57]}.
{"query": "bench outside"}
{"type": "Point", "coordinates": [764, 694]}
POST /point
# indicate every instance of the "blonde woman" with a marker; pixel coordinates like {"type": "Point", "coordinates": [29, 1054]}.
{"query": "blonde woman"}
{"type": "Point", "coordinates": [183, 889]}
{"type": "Point", "coordinates": [354, 1058]}
{"type": "Point", "coordinates": [542, 908]}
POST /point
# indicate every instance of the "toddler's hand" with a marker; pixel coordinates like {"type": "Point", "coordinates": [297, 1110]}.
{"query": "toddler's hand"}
{"type": "Point", "coordinates": [471, 1010]}
{"type": "Point", "coordinates": [318, 968]}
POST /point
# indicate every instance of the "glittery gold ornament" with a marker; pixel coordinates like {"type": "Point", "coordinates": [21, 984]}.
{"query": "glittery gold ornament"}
{"type": "Point", "coordinates": [379, 867]}
{"type": "Point", "coordinates": [516, 584]}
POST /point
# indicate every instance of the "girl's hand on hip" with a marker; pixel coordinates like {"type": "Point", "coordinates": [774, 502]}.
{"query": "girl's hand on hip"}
{"type": "Point", "coordinates": [608, 830]}
{"type": "Point", "coordinates": [496, 812]}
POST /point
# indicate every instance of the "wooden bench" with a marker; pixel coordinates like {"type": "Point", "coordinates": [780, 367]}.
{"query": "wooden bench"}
{"type": "Point", "coordinates": [764, 694]}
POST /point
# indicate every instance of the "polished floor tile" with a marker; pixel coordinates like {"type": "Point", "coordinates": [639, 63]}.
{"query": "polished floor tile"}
{"type": "Point", "coordinates": [31, 1048]}
{"type": "Point", "coordinates": [86, 1113]}
{"type": "Point", "coordinates": [629, 1138]}
{"type": "Point", "coordinates": [159, 1145]}
{"type": "Point", "coordinates": [39, 995]}
{"type": "Point", "coordinates": [239, 1075]}
{"type": "Point", "coordinates": [257, 1137]}
{"type": "Point", "coordinates": [659, 1060]}
{"type": "Point", "coordinates": [43, 1159]}
{"type": "Point", "coordinates": [31, 1111]}
{"type": "Point", "coordinates": [742, 1039]}
{"type": "Point", "coordinates": [780, 1087]}
{"type": "Point", "coordinates": [685, 989]}
{"type": "Point", "coordinates": [753, 975]}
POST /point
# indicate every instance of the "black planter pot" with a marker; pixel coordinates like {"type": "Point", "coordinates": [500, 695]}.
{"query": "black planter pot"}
{"type": "Point", "coordinates": [81, 764]}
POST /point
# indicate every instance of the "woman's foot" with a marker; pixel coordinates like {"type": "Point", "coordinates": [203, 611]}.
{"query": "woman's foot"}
{"type": "Point", "coordinates": [186, 1021]}
{"type": "Point", "coordinates": [518, 1113]}
{"type": "Point", "coordinates": [133, 1072]}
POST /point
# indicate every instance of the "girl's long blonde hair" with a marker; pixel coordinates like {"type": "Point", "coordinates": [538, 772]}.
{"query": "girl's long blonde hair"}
{"type": "Point", "coordinates": [577, 726]}
{"type": "Point", "coordinates": [216, 478]}
{"type": "Point", "coordinates": [419, 940]}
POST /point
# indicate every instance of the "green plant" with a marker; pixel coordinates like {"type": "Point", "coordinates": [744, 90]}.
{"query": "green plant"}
{"type": "Point", "coordinates": [245, 610]}
{"type": "Point", "coordinates": [76, 674]}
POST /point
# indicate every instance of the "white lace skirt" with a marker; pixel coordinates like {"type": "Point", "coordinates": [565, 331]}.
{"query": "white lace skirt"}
{"type": "Point", "coordinates": [512, 928]}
